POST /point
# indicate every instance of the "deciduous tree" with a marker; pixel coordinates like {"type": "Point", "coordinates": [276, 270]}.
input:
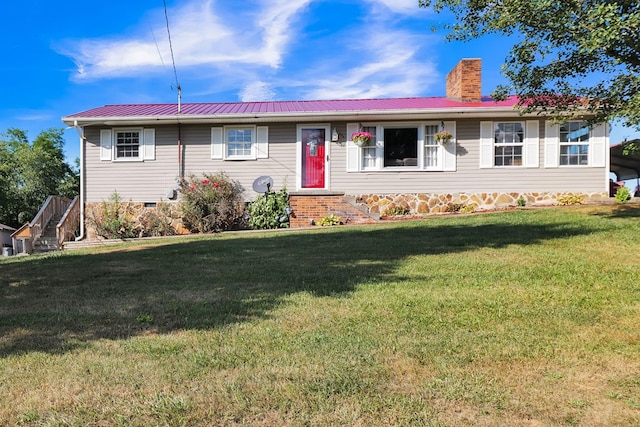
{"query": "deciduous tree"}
{"type": "Point", "coordinates": [30, 172]}
{"type": "Point", "coordinates": [569, 57]}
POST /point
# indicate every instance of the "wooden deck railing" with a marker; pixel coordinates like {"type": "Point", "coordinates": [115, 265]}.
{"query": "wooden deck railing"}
{"type": "Point", "coordinates": [69, 223]}
{"type": "Point", "coordinates": [54, 206]}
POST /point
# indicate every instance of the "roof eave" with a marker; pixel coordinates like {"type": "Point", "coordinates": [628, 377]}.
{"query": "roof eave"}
{"type": "Point", "coordinates": [400, 114]}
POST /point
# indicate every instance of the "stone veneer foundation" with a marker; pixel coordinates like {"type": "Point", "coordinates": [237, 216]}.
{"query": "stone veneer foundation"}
{"type": "Point", "coordinates": [309, 208]}
{"type": "Point", "coordinates": [429, 203]}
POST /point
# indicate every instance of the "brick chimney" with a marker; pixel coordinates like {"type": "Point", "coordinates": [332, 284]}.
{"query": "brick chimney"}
{"type": "Point", "coordinates": [464, 82]}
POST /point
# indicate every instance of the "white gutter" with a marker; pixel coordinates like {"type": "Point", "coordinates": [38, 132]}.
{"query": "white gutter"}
{"type": "Point", "coordinates": [471, 112]}
{"type": "Point", "coordinates": [80, 131]}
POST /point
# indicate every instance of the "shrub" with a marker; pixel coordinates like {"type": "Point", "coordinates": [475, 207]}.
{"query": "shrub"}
{"type": "Point", "coordinates": [156, 222]}
{"type": "Point", "coordinates": [114, 219]}
{"type": "Point", "coordinates": [468, 208]}
{"type": "Point", "coordinates": [329, 220]}
{"type": "Point", "coordinates": [212, 203]}
{"type": "Point", "coordinates": [454, 207]}
{"type": "Point", "coordinates": [521, 202]}
{"type": "Point", "coordinates": [270, 210]}
{"type": "Point", "coordinates": [397, 210]}
{"type": "Point", "coordinates": [570, 199]}
{"type": "Point", "coordinates": [622, 195]}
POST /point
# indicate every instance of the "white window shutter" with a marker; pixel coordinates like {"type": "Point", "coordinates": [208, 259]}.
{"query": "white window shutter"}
{"type": "Point", "coordinates": [599, 145]}
{"type": "Point", "coordinates": [262, 142]}
{"type": "Point", "coordinates": [353, 151]}
{"type": "Point", "coordinates": [106, 141]}
{"type": "Point", "coordinates": [486, 144]}
{"type": "Point", "coordinates": [532, 144]}
{"type": "Point", "coordinates": [217, 143]}
{"type": "Point", "coordinates": [551, 145]}
{"type": "Point", "coordinates": [449, 150]}
{"type": "Point", "coordinates": [149, 144]}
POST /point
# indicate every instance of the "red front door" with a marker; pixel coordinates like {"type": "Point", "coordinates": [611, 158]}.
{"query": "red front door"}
{"type": "Point", "coordinates": [313, 158]}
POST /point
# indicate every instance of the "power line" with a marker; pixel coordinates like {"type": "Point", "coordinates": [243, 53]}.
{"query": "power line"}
{"type": "Point", "coordinates": [173, 61]}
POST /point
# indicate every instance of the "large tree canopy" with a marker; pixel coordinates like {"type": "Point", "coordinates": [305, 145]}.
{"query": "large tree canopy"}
{"type": "Point", "coordinates": [569, 57]}
{"type": "Point", "coordinates": [29, 173]}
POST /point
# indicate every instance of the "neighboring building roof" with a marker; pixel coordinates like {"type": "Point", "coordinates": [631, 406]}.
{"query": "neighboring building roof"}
{"type": "Point", "coordinates": [282, 109]}
{"type": "Point", "coordinates": [6, 228]}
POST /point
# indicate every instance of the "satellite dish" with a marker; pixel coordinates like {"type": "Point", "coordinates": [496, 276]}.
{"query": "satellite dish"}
{"type": "Point", "coordinates": [262, 184]}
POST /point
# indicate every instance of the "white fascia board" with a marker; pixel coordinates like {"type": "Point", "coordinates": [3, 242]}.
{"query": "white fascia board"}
{"type": "Point", "coordinates": [289, 117]}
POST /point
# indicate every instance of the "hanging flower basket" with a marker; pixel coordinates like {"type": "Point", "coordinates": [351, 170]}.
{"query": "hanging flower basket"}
{"type": "Point", "coordinates": [443, 137]}
{"type": "Point", "coordinates": [361, 138]}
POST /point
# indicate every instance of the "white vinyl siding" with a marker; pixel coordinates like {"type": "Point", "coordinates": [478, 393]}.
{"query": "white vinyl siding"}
{"type": "Point", "coordinates": [149, 181]}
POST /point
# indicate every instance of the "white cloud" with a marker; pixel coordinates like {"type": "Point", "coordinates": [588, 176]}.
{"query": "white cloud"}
{"type": "Point", "coordinates": [263, 49]}
{"type": "Point", "coordinates": [388, 65]}
{"type": "Point", "coordinates": [202, 34]}
{"type": "Point", "coordinates": [257, 91]}
{"type": "Point", "coordinates": [401, 6]}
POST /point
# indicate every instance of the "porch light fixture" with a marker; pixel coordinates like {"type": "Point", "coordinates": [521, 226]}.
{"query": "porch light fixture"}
{"type": "Point", "coordinates": [335, 135]}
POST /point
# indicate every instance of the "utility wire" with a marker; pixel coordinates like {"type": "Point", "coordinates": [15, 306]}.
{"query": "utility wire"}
{"type": "Point", "coordinates": [173, 61]}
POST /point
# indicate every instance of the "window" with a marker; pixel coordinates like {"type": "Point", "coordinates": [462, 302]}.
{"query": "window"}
{"type": "Point", "coordinates": [369, 151]}
{"type": "Point", "coordinates": [127, 144]}
{"type": "Point", "coordinates": [574, 143]}
{"type": "Point", "coordinates": [401, 147]}
{"type": "Point", "coordinates": [240, 142]}
{"type": "Point", "coordinates": [431, 148]}
{"type": "Point", "coordinates": [508, 144]}
{"type": "Point", "coordinates": [398, 146]}
{"type": "Point", "coordinates": [504, 144]}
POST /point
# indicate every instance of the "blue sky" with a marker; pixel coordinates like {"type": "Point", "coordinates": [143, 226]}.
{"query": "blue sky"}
{"type": "Point", "coordinates": [64, 57]}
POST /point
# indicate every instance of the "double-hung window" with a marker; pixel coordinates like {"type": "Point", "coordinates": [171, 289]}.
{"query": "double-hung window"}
{"type": "Point", "coordinates": [508, 143]}
{"type": "Point", "coordinates": [370, 160]}
{"type": "Point", "coordinates": [127, 144]}
{"type": "Point", "coordinates": [574, 143]}
{"type": "Point", "coordinates": [240, 142]}
{"type": "Point", "coordinates": [432, 148]}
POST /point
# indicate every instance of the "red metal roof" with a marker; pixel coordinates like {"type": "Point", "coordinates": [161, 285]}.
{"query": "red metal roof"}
{"type": "Point", "coordinates": [285, 107]}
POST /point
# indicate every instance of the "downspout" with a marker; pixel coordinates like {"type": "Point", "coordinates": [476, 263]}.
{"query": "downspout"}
{"type": "Point", "coordinates": [80, 131]}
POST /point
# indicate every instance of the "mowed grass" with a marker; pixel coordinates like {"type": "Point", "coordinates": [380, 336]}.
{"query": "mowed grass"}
{"type": "Point", "coordinates": [520, 318]}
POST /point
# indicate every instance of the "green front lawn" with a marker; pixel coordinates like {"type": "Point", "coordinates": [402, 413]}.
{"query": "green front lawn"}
{"type": "Point", "coordinates": [520, 318]}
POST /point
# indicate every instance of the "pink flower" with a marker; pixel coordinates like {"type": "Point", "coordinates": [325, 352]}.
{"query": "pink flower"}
{"type": "Point", "coordinates": [205, 181]}
{"type": "Point", "coordinates": [215, 184]}
{"type": "Point", "coordinates": [192, 188]}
